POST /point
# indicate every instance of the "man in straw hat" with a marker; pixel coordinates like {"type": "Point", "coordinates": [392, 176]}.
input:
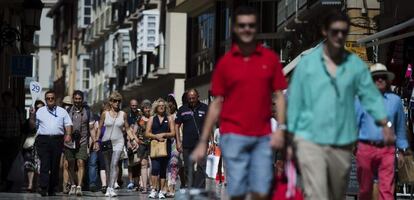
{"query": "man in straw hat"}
{"type": "Point", "coordinates": [373, 155]}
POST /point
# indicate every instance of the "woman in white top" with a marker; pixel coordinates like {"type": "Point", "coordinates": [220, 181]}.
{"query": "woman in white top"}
{"type": "Point", "coordinates": [114, 121]}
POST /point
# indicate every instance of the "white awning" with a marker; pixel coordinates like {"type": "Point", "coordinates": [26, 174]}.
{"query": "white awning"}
{"type": "Point", "coordinates": [374, 39]}
{"type": "Point", "coordinates": [289, 67]}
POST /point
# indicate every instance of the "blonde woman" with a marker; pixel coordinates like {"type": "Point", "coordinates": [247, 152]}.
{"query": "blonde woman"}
{"type": "Point", "coordinates": [114, 121]}
{"type": "Point", "coordinates": [160, 127]}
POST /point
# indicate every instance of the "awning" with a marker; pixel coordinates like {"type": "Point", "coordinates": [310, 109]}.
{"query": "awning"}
{"type": "Point", "coordinates": [374, 39]}
{"type": "Point", "coordinates": [289, 67]}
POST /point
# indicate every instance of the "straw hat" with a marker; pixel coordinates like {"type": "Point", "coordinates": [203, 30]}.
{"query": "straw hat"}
{"type": "Point", "coordinates": [380, 69]}
{"type": "Point", "coordinates": [67, 100]}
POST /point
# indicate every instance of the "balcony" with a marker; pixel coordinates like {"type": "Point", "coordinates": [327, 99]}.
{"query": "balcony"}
{"type": "Point", "coordinates": [188, 6]}
{"type": "Point", "coordinates": [294, 13]}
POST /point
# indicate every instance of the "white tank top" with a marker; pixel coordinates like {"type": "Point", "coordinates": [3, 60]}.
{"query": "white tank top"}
{"type": "Point", "coordinates": [115, 126]}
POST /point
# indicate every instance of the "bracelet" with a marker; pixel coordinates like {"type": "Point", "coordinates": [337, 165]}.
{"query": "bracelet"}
{"type": "Point", "coordinates": [282, 127]}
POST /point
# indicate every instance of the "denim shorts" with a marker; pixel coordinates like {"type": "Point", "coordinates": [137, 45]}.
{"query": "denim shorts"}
{"type": "Point", "coordinates": [248, 164]}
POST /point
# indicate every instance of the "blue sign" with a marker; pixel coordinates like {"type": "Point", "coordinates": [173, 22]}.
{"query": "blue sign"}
{"type": "Point", "coordinates": [22, 65]}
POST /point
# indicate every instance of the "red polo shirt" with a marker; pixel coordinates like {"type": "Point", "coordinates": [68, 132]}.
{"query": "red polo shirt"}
{"type": "Point", "coordinates": [247, 84]}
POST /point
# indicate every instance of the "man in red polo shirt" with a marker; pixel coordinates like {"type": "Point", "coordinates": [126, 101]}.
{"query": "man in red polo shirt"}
{"type": "Point", "coordinates": [243, 82]}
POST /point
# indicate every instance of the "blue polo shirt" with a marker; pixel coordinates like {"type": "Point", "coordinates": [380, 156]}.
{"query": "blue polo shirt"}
{"type": "Point", "coordinates": [192, 120]}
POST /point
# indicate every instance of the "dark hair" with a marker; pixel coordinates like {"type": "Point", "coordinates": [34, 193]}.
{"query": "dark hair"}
{"type": "Point", "coordinates": [244, 10]}
{"type": "Point", "coordinates": [50, 92]}
{"type": "Point", "coordinates": [5, 95]}
{"type": "Point", "coordinates": [77, 92]}
{"type": "Point", "coordinates": [184, 98]}
{"type": "Point", "coordinates": [171, 99]}
{"type": "Point", "coordinates": [334, 16]}
{"type": "Point", "coordinates": [38, 102]}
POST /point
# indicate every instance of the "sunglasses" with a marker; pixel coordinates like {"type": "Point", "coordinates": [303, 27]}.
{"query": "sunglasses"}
{"type": "Point", "coordinates": [337, 31]}
{"type": "Point", "coordinates": [249, 25]}
{"type": "Point", "coordinates": [378, 77]}
{"type": "Point", "coordinates": [116, 100]}
{"type": "Point", "coordinates": [50, 98]}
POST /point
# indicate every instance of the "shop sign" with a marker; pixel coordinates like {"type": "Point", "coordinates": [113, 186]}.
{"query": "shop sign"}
{"type": "Point", "coordinates": [357, 49]}
{"type": "Point", "coordinates": [22, 65]}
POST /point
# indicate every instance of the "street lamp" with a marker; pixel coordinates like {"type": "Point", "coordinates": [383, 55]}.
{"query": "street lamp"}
{"type": "Point", "coordinates": [32, 13]}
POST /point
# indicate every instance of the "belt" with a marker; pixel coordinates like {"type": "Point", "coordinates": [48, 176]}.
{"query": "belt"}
{"type": "Point", "coordinates": [379, 144]}
{"type": "Point", "coordinates": [50, 136]}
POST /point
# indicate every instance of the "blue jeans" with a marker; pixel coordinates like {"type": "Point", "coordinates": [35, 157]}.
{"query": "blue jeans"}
{"type": "Point", "coordinates": [93, 168]}
{"type": "Point", "coordinates": [249, 164]}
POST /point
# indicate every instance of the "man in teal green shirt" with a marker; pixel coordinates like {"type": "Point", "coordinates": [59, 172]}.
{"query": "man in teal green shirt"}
{"type": "Point", "coordinates": [321, 112]}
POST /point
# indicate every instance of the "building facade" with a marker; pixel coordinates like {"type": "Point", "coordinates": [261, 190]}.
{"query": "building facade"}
{"type": "Point", "coordinates": [70, 20]}
{"type": "Point", "coordinates": [19, 21]}
{"type": "Point", "coordinates": [42, 58]}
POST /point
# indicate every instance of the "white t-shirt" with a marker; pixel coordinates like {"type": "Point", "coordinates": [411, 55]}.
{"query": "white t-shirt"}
{"type": "Point", "coordinates": [52, 122]}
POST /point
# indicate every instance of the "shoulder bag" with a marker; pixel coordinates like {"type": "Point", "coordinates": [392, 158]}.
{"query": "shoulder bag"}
{"type": "Point", "coordinates": [107, 145]}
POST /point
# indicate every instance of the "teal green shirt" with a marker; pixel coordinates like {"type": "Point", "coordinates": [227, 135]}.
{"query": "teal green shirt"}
{"type": "Point", "coordinates": [321, 108]}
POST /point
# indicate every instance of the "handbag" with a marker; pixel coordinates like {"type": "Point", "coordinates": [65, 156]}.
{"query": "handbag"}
{"type": "Point", "coordinates": [107, 145]}
{"type": "Point", "coordinates": [158, 149]}
{"type": "Point", "coordinates": [406, 171]}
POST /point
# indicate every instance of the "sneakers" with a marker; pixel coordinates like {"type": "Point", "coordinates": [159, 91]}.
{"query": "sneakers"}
{"type": "Point", "coordinates": [66, 189]}
{"type": "Point", "coordinates": [130, 186]}
{"type": "Point", "coordinates": [161, 195]}
{"type": "Point", "coordinates": [117, 186]}
{"type": "Point", "coordinates": [72, 190]}
{"type": "Point", "coordinates": [110, 192]}
{"type": "Point", "coordinates": [79, 191]}
{"type": "Point", "coordinates": [103, 189]}
{"type": "Point", "coordinates": [93, 188]}
{"type": "Point", "coordinates": [153, 194]}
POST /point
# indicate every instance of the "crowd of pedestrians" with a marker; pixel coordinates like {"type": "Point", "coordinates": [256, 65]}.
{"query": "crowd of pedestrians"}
{"type": "Point", "coordinates": [333, 102]}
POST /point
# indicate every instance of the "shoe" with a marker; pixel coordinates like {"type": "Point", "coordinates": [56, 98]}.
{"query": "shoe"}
{"type": "Point", "coordinates": [170, 195]}
{"type": "Point", "coordinates": [66, 189]}
{"type": "Point", "coordinates": [43, 192]}
{"type": "Point", "coordinates": [153, 194]}
{"type": "Point", "coordinates": [117, 186]}
{"type": "Point", "coordinates": [72, 190]}
{"type": "Point", "coordinates": [51, 193]}
{"type": "Point", "coordinates": [113, 193]}
{"type": "Point", "coordinates": [161, 195]}
{"type": "Point", "coordinates": [108, 193]}
{"type": "Point", "coordinates": [79, 191]}
{"type": "Point", "coordinates": [130, 186]}
{"type": "Point", "coordinates": [93, 188]}
{"type": "Point", "coordinates": [103, 189]}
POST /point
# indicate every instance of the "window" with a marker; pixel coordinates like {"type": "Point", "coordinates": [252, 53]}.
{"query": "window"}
{"type": "Point", "coordinates": [151, 25]}
{"type": "Point", "coordinates": [151, 32]}
{"type": "Point", "coordinates": [86, 78]}
{"type": "Point", "coordinates": [151, 45]}
{"type": "Point", "coordinates": [151, 19]}
{"type": "Point", "coordinates": [36, 39]}
{"type": "Point", "coordinates": [151, 39]}
{"type": "Point", "coordinates": [86, 20]}
{"type": "Point", "coordinates": [87, 10]}
{"type": "Point", "coordinates": [202, 46]}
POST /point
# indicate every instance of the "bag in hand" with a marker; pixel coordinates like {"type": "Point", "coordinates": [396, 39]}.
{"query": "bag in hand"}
{"type": "Point", "coordinates": [406, 171]}
{"type": "Point", "coordinates": [106, 145]}
{"type": "Point", "coordinates": [158, 149]}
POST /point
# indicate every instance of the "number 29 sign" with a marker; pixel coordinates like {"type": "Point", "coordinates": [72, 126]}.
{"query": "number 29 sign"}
{"type": "Point", "coordinates": [35, 90]}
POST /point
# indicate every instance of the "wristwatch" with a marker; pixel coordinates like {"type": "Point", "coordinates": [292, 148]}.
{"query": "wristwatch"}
{"type": "Point", "coordinates": [388, 124]}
